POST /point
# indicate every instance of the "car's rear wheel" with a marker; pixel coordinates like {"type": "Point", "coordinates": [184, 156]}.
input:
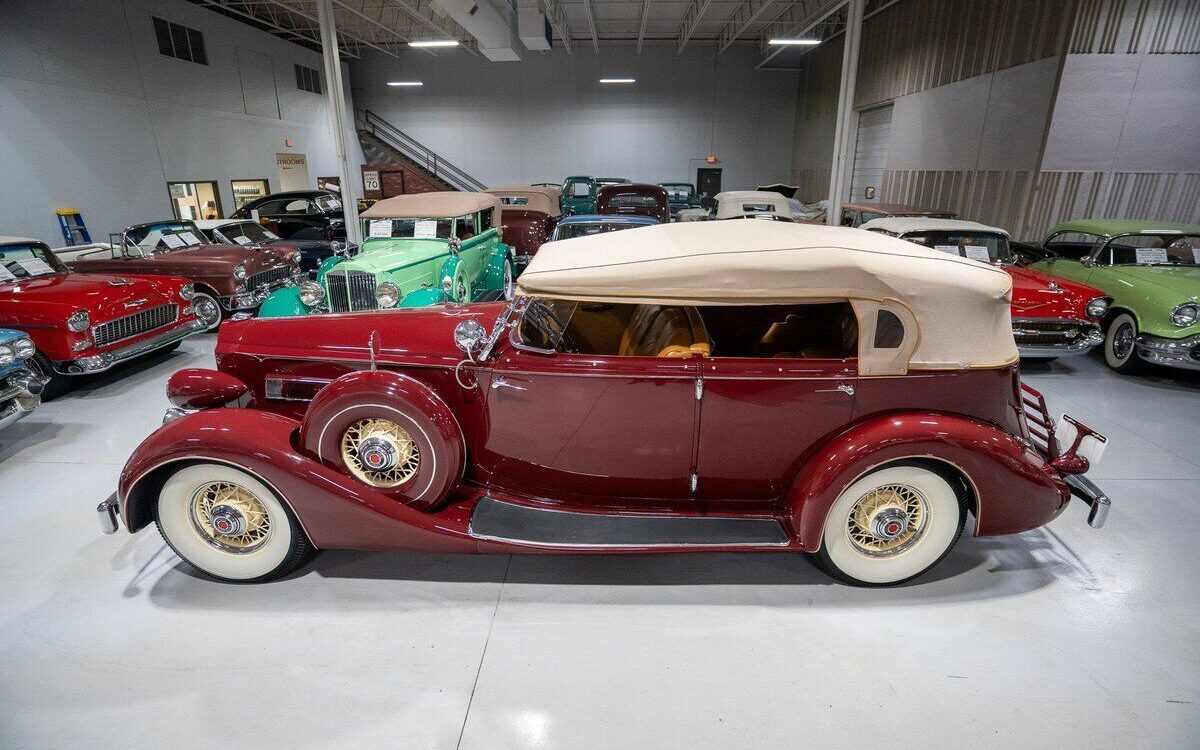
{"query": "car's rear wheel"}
{"type": "Point", "coordinates": [229, 525]}
{"type": "Point", "coordinates": [1120, 345]}
{"type": "Point", "coordinates": [890, 526]}
{"type": "Point", "coordinates": [56, 384]}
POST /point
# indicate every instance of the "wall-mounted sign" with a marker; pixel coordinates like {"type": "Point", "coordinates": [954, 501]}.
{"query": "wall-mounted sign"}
{"type": "Point", "coordinates": [293, 171]}
{"type": "Point", "coordinates": [370, 179]}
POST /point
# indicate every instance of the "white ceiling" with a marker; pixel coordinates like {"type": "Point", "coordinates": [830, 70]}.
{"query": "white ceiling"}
{"type": "Point", "coordinates": [578, 25]}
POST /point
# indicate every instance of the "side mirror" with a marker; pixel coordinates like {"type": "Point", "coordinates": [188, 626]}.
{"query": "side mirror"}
{"type": "Point", "coordinates": [1088, 261]}
{"type": "Point", "coordinates": [470, 336]}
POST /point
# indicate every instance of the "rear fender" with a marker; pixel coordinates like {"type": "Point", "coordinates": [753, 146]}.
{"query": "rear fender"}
{"type": "Point", "coordinates": [1012, 488]}
{"type": "Point", "coordinates": [335, 510]}
{"type": "Point", "coordinates": [493, 278]}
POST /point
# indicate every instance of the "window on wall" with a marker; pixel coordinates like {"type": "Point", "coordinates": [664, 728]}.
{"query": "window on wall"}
{"type": "Point", "coordinates": [308, 79]}
{"type": "Point", "coordinates": [179, 41]}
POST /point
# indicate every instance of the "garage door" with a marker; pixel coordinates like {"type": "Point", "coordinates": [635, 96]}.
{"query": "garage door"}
{"type": "Point", "coordinates": [870, 153]}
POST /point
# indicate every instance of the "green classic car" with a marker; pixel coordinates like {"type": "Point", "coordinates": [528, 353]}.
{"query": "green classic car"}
{"type": "Point", "coordinates": [420, 249]}
{"type": "Point", "coordinates": [1152, 271]}
{"type": "Point", "coordinates": [682, 195]}
{"type": "Point", "coordinates": [579, 195]}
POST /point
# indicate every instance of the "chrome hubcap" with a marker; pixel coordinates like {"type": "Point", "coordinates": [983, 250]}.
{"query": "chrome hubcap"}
{"type": "Point", "coordinates": [230, 517]}
{"type": "Point", "coordinates": [1123, 341]}
{"type": "Point", "coordinates": [888, 520]}
{"type": "Point", "coordinates": [380, 452]}
{"type": "Point", "coordinates": [206, 309]}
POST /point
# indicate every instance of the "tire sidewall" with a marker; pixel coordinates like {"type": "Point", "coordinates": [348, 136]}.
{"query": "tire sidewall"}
{"type": "Point", "coordinates": [508, 280]}
{"type": "Point", "coordinates": [172, 513]}
{"type": "Point", "coordinates": [946, 517]}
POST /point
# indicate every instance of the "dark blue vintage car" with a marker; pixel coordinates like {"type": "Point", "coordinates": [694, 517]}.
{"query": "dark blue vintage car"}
{"type": "Point", "coordinates": [585, 224]}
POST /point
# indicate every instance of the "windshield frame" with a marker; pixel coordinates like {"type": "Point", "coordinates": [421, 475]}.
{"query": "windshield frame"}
{"type": "Point", "coordinates": [1098, 252]}
{"type": "Point", "coordinates": [41, 251]}
{"type": "Point", "coordinates": [1006, 256]}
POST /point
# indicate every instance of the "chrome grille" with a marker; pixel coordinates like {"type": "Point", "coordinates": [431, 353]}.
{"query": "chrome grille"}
{"type": "Point", "coordinates": [350, 291]}
{"type": "Point", "coordinates": [1033, 331]}
{"type": "Point", "coordinates": [269, 277]}
{"type": "Point", "coordinates": [134, 325]}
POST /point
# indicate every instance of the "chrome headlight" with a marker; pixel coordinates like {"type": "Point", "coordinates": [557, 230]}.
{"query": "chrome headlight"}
{"type": "Point", "coordinates": [296, 257]}
{"type": "Point", "coordinates": [1096, 307]}
{"type": "Point", "coordinates": [23, 348]}
{"type": "Point", "coordinates": [311, 293]}
{"type": "Point", "coordinates": [387, 294]}
{"type": "Point", "coordinates": [7, 355]}
{"type": "Point", "coordinates": [79, 320]}
{"type": "Point", "coordinates": [187, 291]}
{"type": "Point", "coordinates": [1186, 314]}
{"type": "Point", "coordinates": [239, 272]}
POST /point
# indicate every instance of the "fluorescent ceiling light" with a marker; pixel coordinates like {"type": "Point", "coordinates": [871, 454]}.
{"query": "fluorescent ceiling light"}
{"type": "Point", "coordinates": [618, 80]}
{"type": "Point", "coordinates": [789, 42]}
{"type": "Point", "coordinates": [405, 83]}
{"type": "Point", "coordinates": [434, 43]}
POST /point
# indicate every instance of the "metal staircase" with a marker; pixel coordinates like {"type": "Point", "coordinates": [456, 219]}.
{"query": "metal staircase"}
{"type": "Point", "coordinates": [383, 142]}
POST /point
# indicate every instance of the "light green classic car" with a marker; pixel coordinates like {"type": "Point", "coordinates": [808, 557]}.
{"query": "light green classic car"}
{"type": "Point", "coordinates": [1151, 269]}
{"type": "Point", "coordinates": [420, 249]}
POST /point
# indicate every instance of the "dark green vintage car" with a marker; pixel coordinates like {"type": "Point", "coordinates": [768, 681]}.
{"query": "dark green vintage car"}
{"type": "Point", "coordinates": [420, 249]}
{"type": "Point", "coordinates": [1151, 269]}
{"type": "Point", "coordinates": [682, 195]}
{"type": "Point", "coordinates": [579, 195]}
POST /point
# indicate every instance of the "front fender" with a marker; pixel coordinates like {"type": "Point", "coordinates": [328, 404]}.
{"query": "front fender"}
{"type": "Point", "coordinates": [1014, 489]}
{"type": "Point", "coordinates": [336, 511]}
{"type": "Point", "coordinates": [424, 297]}
{"type": "Point", "coordinates": [493, 274]}
{"type": "Point", "coordinates": [283, 303]}
{"type": "Point", "coordinates": [325, 266]}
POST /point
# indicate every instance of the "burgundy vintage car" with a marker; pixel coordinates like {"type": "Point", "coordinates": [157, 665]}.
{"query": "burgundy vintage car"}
{"type": "Point", "coordinates": [634, 199]}
{"type": "Point", "coordinates": [1051, 317]}
{"type": "Point", "coordinates": [228, 278]}
{"type": "Point", "coordinates": [87, 322]}
{"type": "Point", "coordinates": [725, 386]}
{"type": "Point", "coordinates": [528, 214]}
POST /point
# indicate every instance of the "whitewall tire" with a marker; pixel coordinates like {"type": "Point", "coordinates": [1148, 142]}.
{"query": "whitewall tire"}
{"type": "Point", "coordinates": [228, 524]}
{"type": "Point", "coordinates": [1120, 344]}
{"type": "Point", "coordinates": [890, 526]}
{"type": "Point", "coordinates": [208, 309]}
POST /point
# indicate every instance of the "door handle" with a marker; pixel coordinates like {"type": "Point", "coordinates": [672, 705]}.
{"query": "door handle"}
{"type": "Point", "coordinates": [843, 388]}
{"type": "Point", "coordinates": [502, 383]}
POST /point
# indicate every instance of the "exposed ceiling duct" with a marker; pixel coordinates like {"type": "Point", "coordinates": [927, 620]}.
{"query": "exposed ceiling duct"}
{"type": "Point", "coordinates": [492, 29]}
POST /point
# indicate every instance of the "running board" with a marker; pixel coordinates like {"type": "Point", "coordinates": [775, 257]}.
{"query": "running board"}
{"type": "Point", "coordinates": [506, 522]}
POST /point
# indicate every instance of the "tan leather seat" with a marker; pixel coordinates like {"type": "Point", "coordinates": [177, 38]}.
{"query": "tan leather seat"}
{"type": "Point", "coordinates": [658, 331]}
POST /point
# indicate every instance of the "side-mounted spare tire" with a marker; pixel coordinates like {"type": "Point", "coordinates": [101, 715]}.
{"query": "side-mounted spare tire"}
{"type": "Point", "coordinates": [391, 432]}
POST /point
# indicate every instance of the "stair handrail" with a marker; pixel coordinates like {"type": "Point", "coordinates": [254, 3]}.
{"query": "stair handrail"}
{"type": "Point", "coordinates": [418, 152]}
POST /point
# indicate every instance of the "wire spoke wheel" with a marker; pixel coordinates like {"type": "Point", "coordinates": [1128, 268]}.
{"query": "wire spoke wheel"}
{"type": "Point", "coordinates": [230, 517]}
{"type": "Point", "coordinates": [888, 520]}
{"type": "Point", "coordinates": [380, 452]}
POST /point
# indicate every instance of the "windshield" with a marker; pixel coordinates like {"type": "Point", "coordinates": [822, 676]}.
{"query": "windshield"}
{"type": "Point", "coordinates": [569, 231]}
{"type": "Point", "coordinates": [169, 235]}
{"type": "Point", "coordinates": [987, 247]}
{"type": "Point", "coordinates": [679, 193]}
{"type": "Point", "coordinates": [432, 228]}
{"type": "Point", "coordinates": [633, 201]}
{"type": "Point", "coordinates": [246, 233]}
{"type": "Point", "coordinates": [579, 189]}
{"type": "Point", "coordinates": [27, 260]}
{"type": "Point", "coordinates": [328, 203]}
{"type": "Point", "coordinates": [1151, 250]}
{"type": "Point", "coordinates": [544, 322]}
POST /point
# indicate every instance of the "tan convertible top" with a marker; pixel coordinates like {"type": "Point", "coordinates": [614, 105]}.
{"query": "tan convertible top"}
{"type": "Point", "coordinates": [430, 205]}
{"type": "Point", "coordinates": [955, 311]}
{"type": "Point", "coordinates": [537, 198]}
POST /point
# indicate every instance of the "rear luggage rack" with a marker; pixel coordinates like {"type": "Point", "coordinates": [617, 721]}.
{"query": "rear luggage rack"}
{"type": "Point", "coordinates": [1038, 423]}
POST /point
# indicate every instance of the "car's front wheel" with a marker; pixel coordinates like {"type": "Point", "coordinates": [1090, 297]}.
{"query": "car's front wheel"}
{"type": "Point", "coordinates": [208, 310]}
{"type": "Point", "coordinates": [1120, 345]}
{"type": "Point", "coordinates": [890, 526]}
{"type": "Point", "coordinates": [509, 286]}
{"type": "Point", "coordinates": [228, 524]}
{"type": "Point", "coordinates": [56, 384]}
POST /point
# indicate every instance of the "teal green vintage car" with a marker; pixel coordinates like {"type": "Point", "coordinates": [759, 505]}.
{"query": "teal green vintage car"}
{"type": "Point", "coordinates": [1151, 269]}
{"type": "Point", "coordinates": [420, 249]}
{"type": "Point", "coordinates": [682, 196]}
{"type": "Point", "coordinates": [579, 195]}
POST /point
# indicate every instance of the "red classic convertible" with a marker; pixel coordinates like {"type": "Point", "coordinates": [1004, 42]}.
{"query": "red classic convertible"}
{"type": "Point", "coordinates": [87, 322]}
{"type": "Point", "coordinates": [1050, 317]}
{"type": "Point", "coordinates": [730, 386]}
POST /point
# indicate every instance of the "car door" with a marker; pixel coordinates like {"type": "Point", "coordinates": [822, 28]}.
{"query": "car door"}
{"type": "Point", "coordinates": [781, 379]}
{"type": "Point", "coordinates": [604, 429]}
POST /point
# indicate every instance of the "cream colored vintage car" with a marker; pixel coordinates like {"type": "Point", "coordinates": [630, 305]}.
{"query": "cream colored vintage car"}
{"type": "Point", "coordinates": [746, 204]}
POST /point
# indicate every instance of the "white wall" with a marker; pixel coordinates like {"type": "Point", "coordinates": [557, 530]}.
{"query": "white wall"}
{"type": "Point", "coordinates": [93, 117]}
{"type": "Point", "coordinates": [547, 116]}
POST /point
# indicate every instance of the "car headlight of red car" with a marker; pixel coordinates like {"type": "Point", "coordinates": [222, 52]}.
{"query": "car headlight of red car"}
{"type": "Point", "coordinates": [78, 321]}
{"type": "Point", "coordinates": [1186, 314]}
{"type": "Point", "coordinates": [187, 291]}
{"type": "Point", "coordinates": [1097, 307]}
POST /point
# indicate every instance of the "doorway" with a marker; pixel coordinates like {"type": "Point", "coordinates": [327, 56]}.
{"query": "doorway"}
{"type": "Point", "coordinates": [708, 184]}
{"type": "Point", "coordinates": [871, 154]}
{"type": "Point", "coordinates": [293, 172]}
{"type": "Point", "coordinates": [195, 200]}
{"type": "Point", "coordinates": [245, 191]}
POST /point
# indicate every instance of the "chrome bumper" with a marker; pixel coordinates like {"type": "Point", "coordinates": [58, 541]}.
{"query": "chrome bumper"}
{"type": "Point", "coordinates": [1182, 353]}
{"type": "Point", "coordinates": [109, 511]}
{"type": "Point", "coordinates": [21, 394]}
{"type": "Point", "coordinates": [1068, 348]}
{"type": "Point", "coordinates": [104, 360]}
{"type": "Point", "coordinates": [1087, 491]}
{"type": "Point", "coordinates": [252, 298]}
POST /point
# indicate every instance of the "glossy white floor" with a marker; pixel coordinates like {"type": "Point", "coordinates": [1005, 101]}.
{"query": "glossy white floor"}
{"type": "Point", "coordinates": [1059, 638]}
